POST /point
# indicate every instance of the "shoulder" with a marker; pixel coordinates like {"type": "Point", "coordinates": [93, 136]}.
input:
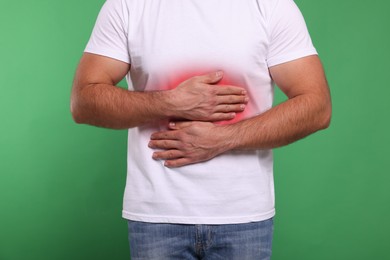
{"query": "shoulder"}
{"type": "Point", "coordinates": [269, 7]}
{"type": "Point", "coordinates": [117, 4]}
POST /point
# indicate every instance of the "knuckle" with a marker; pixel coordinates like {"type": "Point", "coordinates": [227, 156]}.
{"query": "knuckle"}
{"type": "Point", "coordinates": [212, 91]}
{"type": "Point", "coordinates": [181, 137]}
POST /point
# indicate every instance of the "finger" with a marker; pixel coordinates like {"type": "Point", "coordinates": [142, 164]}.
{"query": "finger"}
{"type": "Point", "coordinates": [179, 125]}
{"type": "Point", "coordinates": [177, 162]}
{"type": "Point", "coordinates": [210, 78]}
{"type": "Point", "coordinates": [230, 108]}
{"type": "Point", "coordinates": [222, 117]}
{"type": "Point", "coordinates": [165, 135]}
{"type": "Point", "coordinates": [229, 90]}
{"type": "Point", "coordinates": [232, 99]}
{"type": "Point", "coordinates": [167, 155]}
{"type": "Point", "coordinates": [164, 144]}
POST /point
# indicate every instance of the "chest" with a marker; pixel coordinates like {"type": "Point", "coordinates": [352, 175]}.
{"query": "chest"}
{"type": "Point", "coordinates": [193, 37]}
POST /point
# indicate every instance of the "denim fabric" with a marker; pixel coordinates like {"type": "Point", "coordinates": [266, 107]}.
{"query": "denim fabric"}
{"type": "Point", "coordinates": [251, 241]}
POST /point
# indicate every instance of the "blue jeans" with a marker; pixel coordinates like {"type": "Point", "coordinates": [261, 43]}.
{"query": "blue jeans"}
{"type": "Point", "coordinates": [251, 241]}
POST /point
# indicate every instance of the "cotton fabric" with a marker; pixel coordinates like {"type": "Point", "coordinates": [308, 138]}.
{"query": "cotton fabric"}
{"type": "Point", "coordinates": [169, 41]}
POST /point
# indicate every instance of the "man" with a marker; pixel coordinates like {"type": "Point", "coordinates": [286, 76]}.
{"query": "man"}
{"type": "Point", "coordinates": [200, 116]}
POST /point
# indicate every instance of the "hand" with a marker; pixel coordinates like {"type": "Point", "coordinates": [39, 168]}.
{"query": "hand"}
{"type": "Point", "coordinates": [200, 99]}
{"type": "Point", "coordinates": [188, 142]}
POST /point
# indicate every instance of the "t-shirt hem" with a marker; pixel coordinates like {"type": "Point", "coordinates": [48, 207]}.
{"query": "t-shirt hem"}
{"type": "Point", "coordinates": [198, 220]}
{"type": "Point", "coordinates": [291, 56]}
{"type": "Point", "coordinates": [108, 53]}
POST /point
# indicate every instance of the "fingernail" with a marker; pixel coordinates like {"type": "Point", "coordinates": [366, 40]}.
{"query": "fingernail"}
{"type": "Point", "coordinates": [242, 107]}
{"type": "Point", "coordinates": [219, 74]}
{"type": "Point", "coordinates": [246, 99]}
{"type": "Point", "coordinates": [172, 124]}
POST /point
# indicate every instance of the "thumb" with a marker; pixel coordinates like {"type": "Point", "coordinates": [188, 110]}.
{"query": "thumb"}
{"type": "Point", "coordinates": [211, 78]}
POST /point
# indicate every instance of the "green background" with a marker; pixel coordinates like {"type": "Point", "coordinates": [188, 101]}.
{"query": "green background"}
{"type": "Point", "coordinates": [61, 184]}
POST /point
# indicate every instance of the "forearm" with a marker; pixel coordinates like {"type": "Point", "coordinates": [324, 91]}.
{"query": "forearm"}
{"type": "Point", "coordinates": [108, 106]}
{"type": "Point", "coordinates": [96, 101]}
{"type": "Point", "coordinates": [195, 99]}
{"type": "Point", "coordinates": [283, 124]}
{"type": "Point", "coordinates": [307, 110]}
{"type": "Point", "coordinates": [192, 142]}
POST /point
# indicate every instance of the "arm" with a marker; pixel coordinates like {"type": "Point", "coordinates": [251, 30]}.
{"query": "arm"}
{"type": "Point", "coordinates": [307, 110]}
{"type": "Point", "coordinates": [97, 101]}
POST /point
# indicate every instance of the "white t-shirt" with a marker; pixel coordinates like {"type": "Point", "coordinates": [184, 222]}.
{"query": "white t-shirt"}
{"type": "Point", "coordinates": [168, 41]}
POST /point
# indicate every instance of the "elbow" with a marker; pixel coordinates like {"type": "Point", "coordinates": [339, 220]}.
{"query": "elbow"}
{"type": "Point", "coordinates": [76, 110]}
{"type": "Point", "coordinates": [326, 116]}
{"type": "Point", "coordinates": [77, 118]}
{"type": "Point", "coordinates": [326, 120]}
{"type": "Point", "coordinates": [76, 114]}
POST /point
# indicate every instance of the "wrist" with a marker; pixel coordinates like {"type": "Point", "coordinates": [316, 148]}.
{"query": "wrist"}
{"type": "Point", "coordinates": [175, 106]}
{"type": "Point", "coordinates": [228, 136]}
{"type": "Point", "coordinates": [166, 107]}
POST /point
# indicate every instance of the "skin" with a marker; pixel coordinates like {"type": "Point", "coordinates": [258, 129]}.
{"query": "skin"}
{"type": "Point", "coordinates": [307, 110]}
{"type": "Point", "coordinates": [95, 99]}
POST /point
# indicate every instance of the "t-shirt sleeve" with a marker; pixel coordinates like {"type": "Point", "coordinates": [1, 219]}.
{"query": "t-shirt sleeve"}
{"type": "Point", "coordinates": [289, 38]}
{"type": "Point", "coordinates": [109, 36]}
